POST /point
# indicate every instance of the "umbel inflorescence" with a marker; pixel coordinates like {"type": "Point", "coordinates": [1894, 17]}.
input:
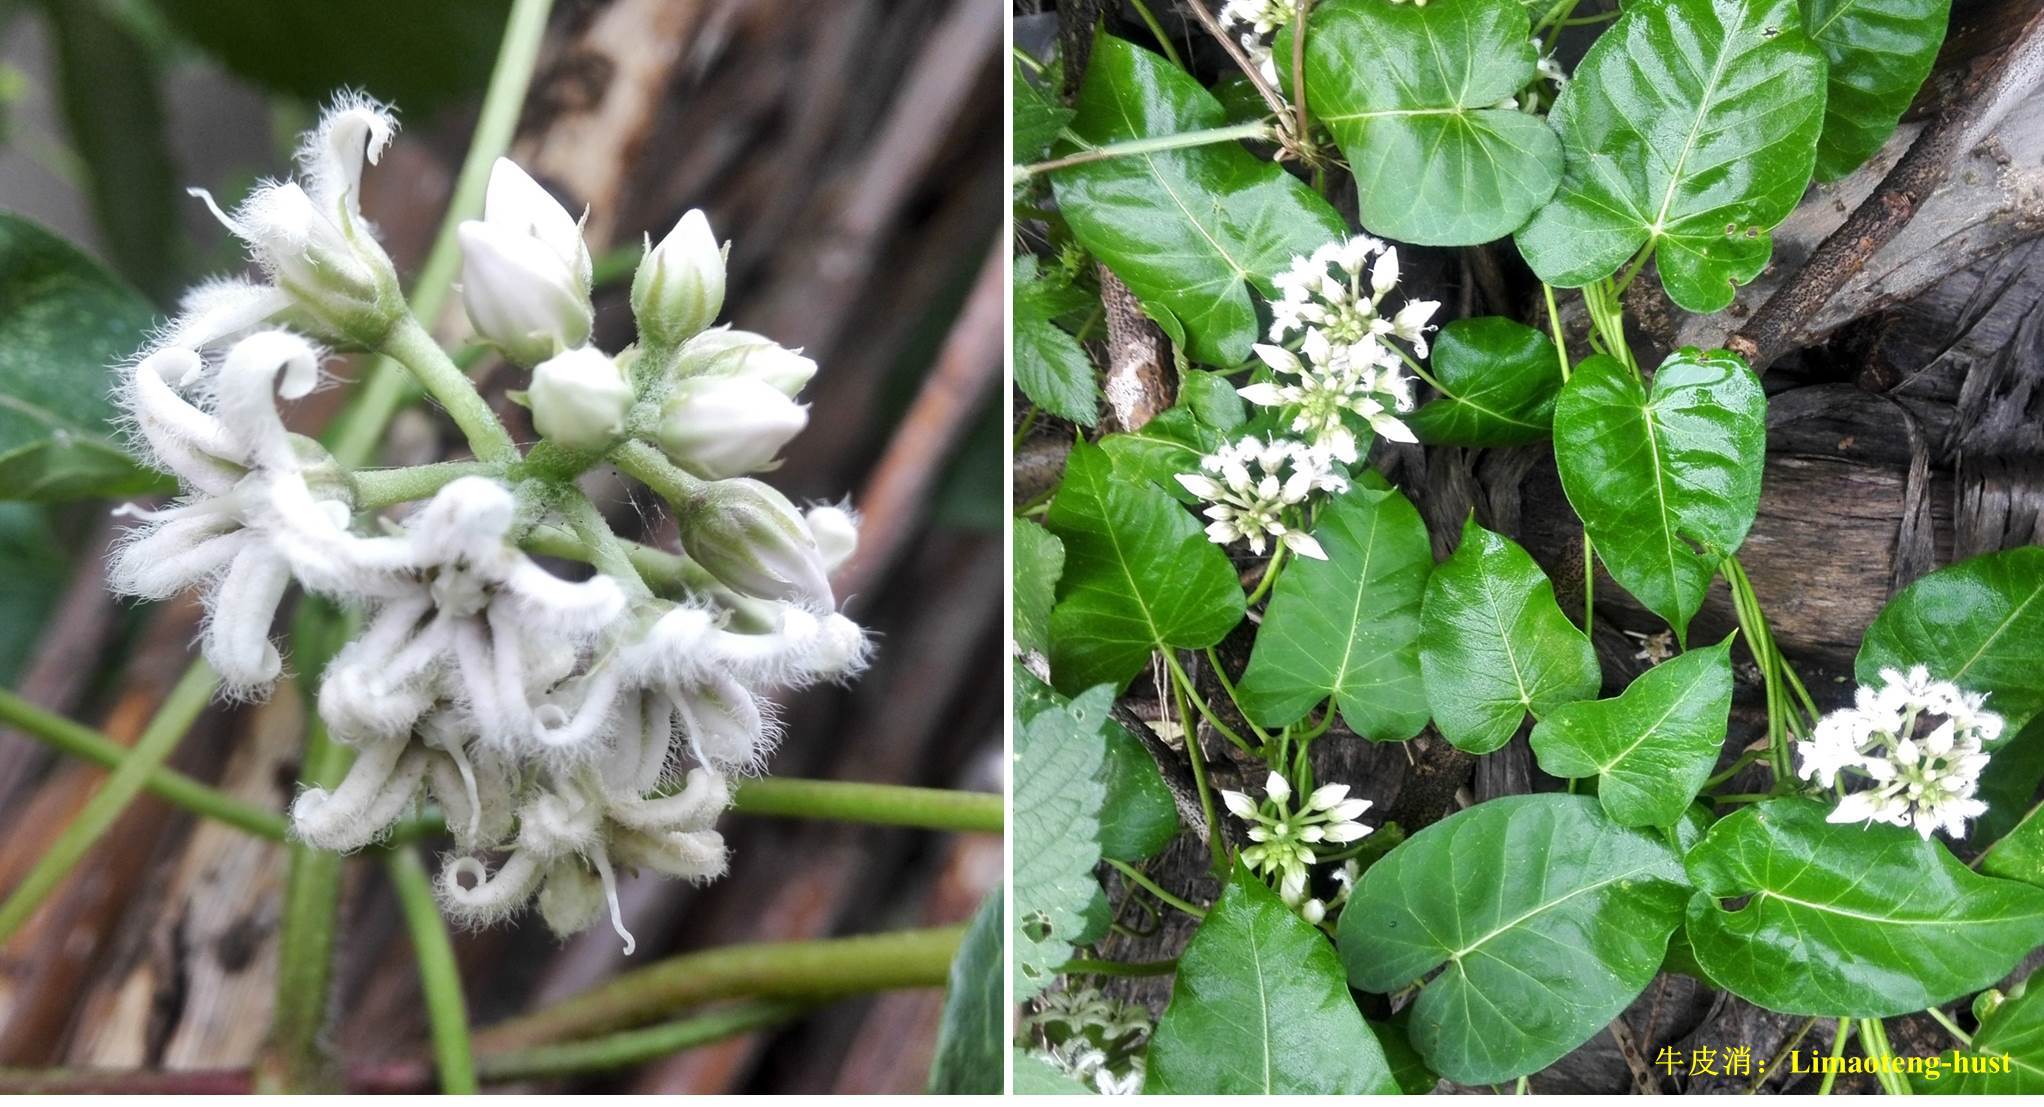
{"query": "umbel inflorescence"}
{"type": "Point", "coordinates": [567, 728]}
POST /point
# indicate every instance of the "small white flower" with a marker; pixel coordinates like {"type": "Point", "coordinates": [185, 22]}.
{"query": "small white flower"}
{"type": "Point", "coordinates": [1339, 291]}
{"type": "Point", "coordinates": [579, 398]}
{"type": "Point", "coordinates": [679, 287]}
{"type": "Point", "coordinates": [1327, 387]}
{"type": "Point", "coordinates": [1284, 839]}
{"type": "Point", "coordinates": [1909, 752]}
{"type": "Point", "coordinates": [525, 270]}
{"type": "Point", "coordinates": [727, 426]}
{"type": "Point", "coordinates": [1256, 483]}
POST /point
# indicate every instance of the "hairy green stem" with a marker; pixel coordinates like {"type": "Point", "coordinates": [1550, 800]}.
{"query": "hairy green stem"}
{"type": "Point", "coordinates": [811, 970]}
{"type": "Point", "coordinates": [439, 975]}
{"type": "Point", "coordinates": [158, 739]}
{"type": "Point", "coordinates": [652, 469]}
{"type": "Point", "coordinates": [877, 804]}
{"type": "Point", "coordinates": [633, 1047]}
{"type": "Point", "coordinates": [375, 488]}
{"type": "Point", "coordinates": [607, 552]}
{"type": "Point", "coordinates": [415, 349]}
{"type": "Point", "coordinates": [666, 572]}
{"type": "Point", "coordinates": [295, 1058]}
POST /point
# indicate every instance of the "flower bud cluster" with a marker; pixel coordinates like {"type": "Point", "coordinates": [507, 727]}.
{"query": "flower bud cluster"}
{"type": "Point", "coordinates": [1285, 842]}
{"type": "Point", "coordinates": [569, 727]}
{"type": "Point", "coordinates": [1908, 752]}
{"type": "Point", "coordinates": [1253, 487]}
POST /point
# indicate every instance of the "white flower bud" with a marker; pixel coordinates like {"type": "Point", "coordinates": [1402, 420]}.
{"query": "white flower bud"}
{"type": "Point", "coordinates": [1239, 804]}
{"type": "Point", "coordinates": [525, 270]}
{"type": "Point", "coordinates": [579, 399]}
{"type": "Point", "coordinates": [724, 352]}
{"type": "Point", "coordinates": [1326, 796]}
{"type": "Point", "coordinates": [679, 288]}
{"type": "Point", "coordinates": [1277, 788]}
{"type": "Point", "coordinates": [719, 427]}
{"type": "Point", "coordinates": [322, 258]}
{"type": "Point", "coordinates": [836, 531]}
{"type": "Point", "coordinates": [1313, 911]}
{"type": "Point", "coordinates": [754, 542]}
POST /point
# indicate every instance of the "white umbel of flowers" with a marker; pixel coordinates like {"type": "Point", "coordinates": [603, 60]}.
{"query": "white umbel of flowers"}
{"type": "Point", "coordinates": [1327, 386]}
{"type": "Point", "coordinates": [1250, 485]}
{"type": "Point", "coordinates": [1909, 752]}
{"type": "Point", "coordinates": [1285, 840]}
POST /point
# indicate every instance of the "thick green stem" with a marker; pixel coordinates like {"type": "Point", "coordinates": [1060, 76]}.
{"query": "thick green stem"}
{"type": "Point", "coordinates": [1951, 1027]}
{"type": "Point", "coordinates": [158, 739]}
{"type": "Point", "coordinates": [878, 804]}
{"type": "Point", "coordinates": [1234, 133]}
{"type": "Point", "coordinates": [409, 343]}
{"type": "Point", "coordinates": [296, 1059]}
{"type": "Point", "coordinates": [85, 743]}
{"type": "Point", "coordinates": [1192, 693]}
{"type": "Point", "coordinates": [633, 1047]}
{"type": "Point", "coordinates": [652, 469]}
{"type": "Point", "coordinates": [1838, 1037]}
{"type": "Point", "coordinates": [439, 975]}
{"type": "Point", "coordinates": [812, 971]}
{"type": "Point", "coordinates": [376, 488]}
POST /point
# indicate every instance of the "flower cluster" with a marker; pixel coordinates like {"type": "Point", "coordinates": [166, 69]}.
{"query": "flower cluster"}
{"type": "Point", "coordinates": [575, 727]}
{"type": "Point", "coordinates": [1253, 484]}
{"type": "Point", "coordinates": [1909, 752]}
{"type": "Point", "coordinates": [1095, 1040]}
{"type": "Point", "coordinates": [1260, 21]}
{"type": "Point", "coordinates": [1285, 840]}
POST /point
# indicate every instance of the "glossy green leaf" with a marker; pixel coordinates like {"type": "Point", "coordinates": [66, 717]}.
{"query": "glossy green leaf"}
{"type": "Point", "coordinates": [2019, 854]}
{"type": "Point", "coordinates": [971, 1035]}
{"type": "Point", "coordinates": [1058, 798]}
{"type": "Point", "coordinates": [1545, 917]}
{"type": "Point", "coordinates": [1347, 628]}
{"type": "Point", "coordinates": [64, 324]}
{"type": "Point", "coordinates": [1260, 1007]}
{"type": "Point", "coordinates": [1667, 482]}
{"type": "Point", "coordinates": [1140, 576]}
{"type": "Point", "coordinates": [1191, 230]}
{"type": "Point", "coordinates": [1493, 645]}
{"type": "Point", "coordinates": [1844, 920]}
{"type": "Point", "coordinates": [1036, 1076]}
{"type": "Point", "coordinates": [1408, 1068]}
{"type": "Point", "coordinates": [2009, 783]}
{"type": "Point", "coordinates": [1051, 368]}
{"type": "Point", "coordinates": [2010, 1041]}
{"type": "Point", "coordinates": [33, 569]}
{"type": "Point", "coordinates": [1172, 443]}
{"type": "Point", "coordinates": [1038, 117]}
{"type": "Point", "coordinates": [1211, 398]}
{"type": "Point", "coordinates": [1139, 817]}
{"type": "Point", "coordinates": [1039, 560]}
{"type": "Point", "coordinates": [1410, 92]}
{"type": "Point", "coordinates": [1978, 624]}
{"type": "Point", "coordinates": [1879, 53]}
{"type": "Point", "coordinates": [1653, 745]}
{"type": "Point", "coordinates": [1691, 129]}
{"type": "Point", "coordinates": [1498, 379]}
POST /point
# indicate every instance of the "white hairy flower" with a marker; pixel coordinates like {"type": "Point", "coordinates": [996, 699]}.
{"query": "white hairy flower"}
{"type": "Point", "coordinates": [1284, 839]}
{"type": "Point", "coordinates": [579, 399]}
{"type": "Point", "coordinates": [728, 426]}
{"type": "Point", "coordinates": [1340, 291]}
{"type": "Point", "coordinates": [525, 271]}
{"type": "Point", "coordinates": [1329, 385]}
{"type": "Point", "coordinates": [1253, 484]}
{"type": "Point", "coordinates": [679, 287]}
{"type": "Point", "coordinates": [1909, 752]}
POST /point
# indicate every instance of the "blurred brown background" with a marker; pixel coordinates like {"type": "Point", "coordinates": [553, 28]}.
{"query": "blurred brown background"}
{"type": "Point", "coordinates": [852, 152]}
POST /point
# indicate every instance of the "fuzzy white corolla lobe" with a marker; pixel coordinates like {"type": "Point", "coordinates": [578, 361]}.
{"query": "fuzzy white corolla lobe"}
{"type": "Point", "coordinates": [580, 399]}
{"type": "Point", "coordinates": [719, 426]}
{"type": "Point", "coordinates": [679, 287]}
{"type": "Point", "coordinates": [754, 542]}
{"type": "Point", "coordinates": [835, 528]}
{"type": "Point", "coordinates": [525, 270]}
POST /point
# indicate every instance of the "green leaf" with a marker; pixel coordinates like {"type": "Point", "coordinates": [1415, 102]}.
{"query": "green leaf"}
{"type": "Point", "coordinates": [1140, 576]}
{"type": "Point", "coordinates": [1493, 645]}
{"type": "Point", "coordinates": [1410, 93]}
{"type": "Point", "coordinates": [971, 1036]}
{"type": "Point", "coordinates": [1260, 1008]}
{"type": "Point", "coordinates": [1666, 483]}
{"type": "Point", "coordinates": [1545, 917]}
{"type": "Point", "coordinates": [1498, 379]}
{"type": "Point", "coordinates": [1845, 920]}
{"type": "Point", "coordinates": [2009, 783]}
{"type": "Point", "coordinates": [2013, 1029]}
{"type": "Point", "coordinates": [1172, 443]}
{"type": "Point", "coordinates": [1653, 745]}
{"type": "Point", "coordinates": [1038, 117]}
{"type": "Point", "coordinates": [64, 324]}
{"type": "Point", "coordinates": [34, 567]}
{"type": "Point", "coordinates": [1978, 624]}
{"type": "Point", "coordinates": [1348, 627]}
{"type": "Point", "coordinates": [1690, 129]}
{"type": "Point", "coordinates": [1138, 818]}
{"type": "Point", "coordinates": [1879, 52]}
{"type": "Point", "coordinates": [419, 56]}
{"type": "Point", "coordinates": [1408, 1068]}
{"type": "Point", "coordinates": [1036, 1076]}
{"type": "Point", "coordinates": [1039, 561]}
{"type": "Point", "coordinates": [1190, 230]}
{"type": "Point", "coordinates": [2019, 855]}
{"type": "Point", "coordinates": [1211, 398]}
{"type": "Point", "coordinates": [1058, 798]}
{"type": "Point", "coordinates": [1051, 368]}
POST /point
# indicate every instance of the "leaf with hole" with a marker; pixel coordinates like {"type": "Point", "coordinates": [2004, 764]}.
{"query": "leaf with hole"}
{"type": "Point", "coordinates": [1843, 920]}
{"type": "Point", "coordinates": [1260, 1008]}
{"type": "Point", "coordinates": [1138, 818]}
{"type": "Point", "coordinates": [1652, 746]}
{"type": "Point", "coordinates": [1347, 628]}
{"type": "Point", "coordinates": [1411, 94]}
{"type": "Point", "coordinates": [1690, 130]}
{"type": "Point", "coordinates": [1497, 380]}
{"type": "Point", "coordinates": [1192, 230]}
{"type": "Point", "coordinates": [1666, 481]}
{"type": "Point", "coordinates": [1493, 645]}
{"type": "Point", "coordinates": [1544, 916]}
{"type": "Point", "coordinates": [1879, 53]}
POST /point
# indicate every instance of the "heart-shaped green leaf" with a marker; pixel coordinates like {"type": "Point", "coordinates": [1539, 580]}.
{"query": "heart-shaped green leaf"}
{"type": "Point", "coordinates": [1653, 745]}
{"type": "Point", "coordinates": [2007, 1054]}
{"type": "Point", "coordinates": [1545, 916]}
{"type": "Point", "coordinates": [1138, 818]}
{"type": "Point", "coordinates": [1058, 797]}
{"type": "Point", "coordinates": [1666, 483]}
{"type": "Point", "coordinates": [1189, 230]}
{"type": "Point", "coordinates": [1978, 624]}
{"type": "Point", "coordinates": [1410, 93]}
{"type": "Point", "coordinates": [1498, 379]}
{"type": "Point", "coordinates": [1880, 51]}
{"type": "Point", "coordinates": [1140, 576]}
{"type": "Point", "coordinates": [1039, 561]}
{"type": "Point", "coordinates": [1347, 628]}
{"type": "Point", "coordinates": [1260, 1008]}
{"type": "Point", "coordinates": [1159, 450]}
{"type": "Point", "coordinates": [1493, 645]}
{"type": "Point", "coordinates": [1842, 920]}
{"type": "Point", "coordinates": [1690, 129]}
